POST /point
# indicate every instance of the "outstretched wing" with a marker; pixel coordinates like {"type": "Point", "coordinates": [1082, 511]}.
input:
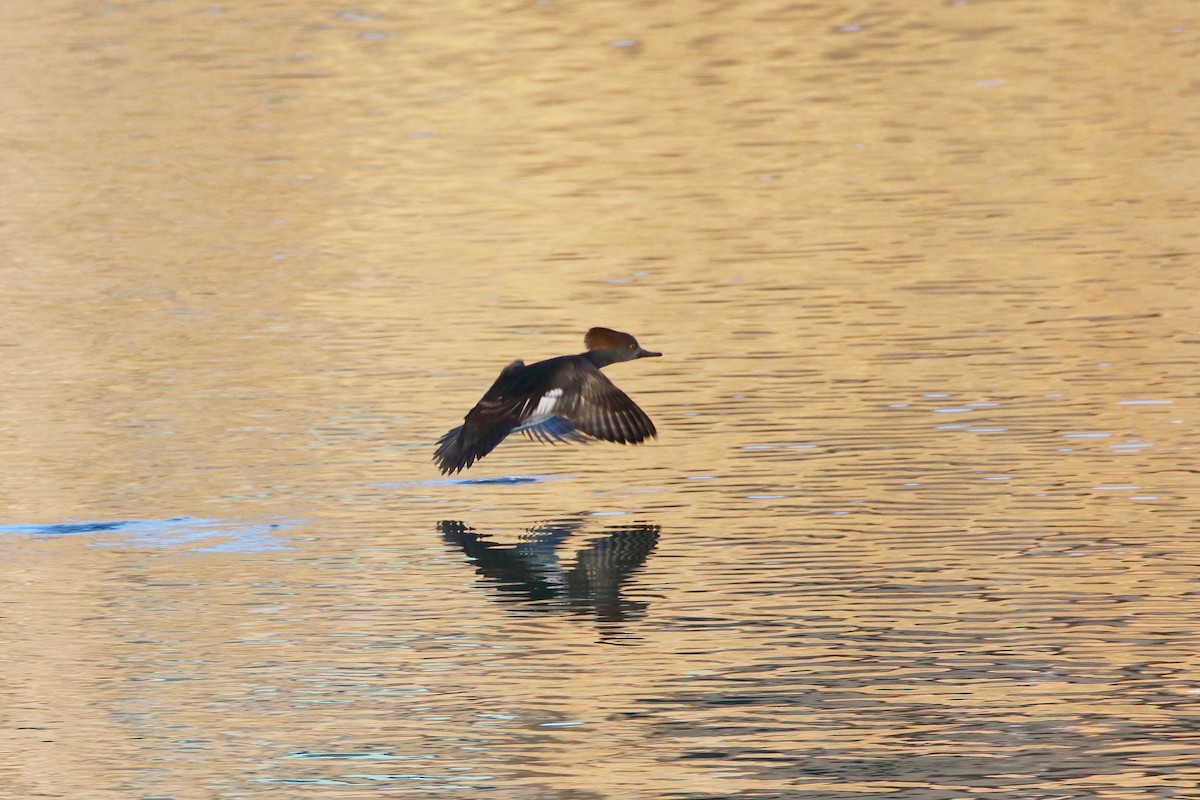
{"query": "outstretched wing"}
{"type": "Point", "coordinates": [485, 426]}
{"type": "Point", "coordinates": [552, 430]}
{"type": "Point", "coordinates": [602, 411]}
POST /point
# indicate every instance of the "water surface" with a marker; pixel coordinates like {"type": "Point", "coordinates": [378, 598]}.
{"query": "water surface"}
{"type": "Point", "coordinates": [920, 521]}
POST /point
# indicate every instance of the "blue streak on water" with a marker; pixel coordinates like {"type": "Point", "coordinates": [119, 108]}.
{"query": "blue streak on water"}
{"type": "Point", "coordinates": [503, 480]}
{"type": "Point", "coordinates": [221, 536]}
{"type": "Point", "coordinates": [314, 781]}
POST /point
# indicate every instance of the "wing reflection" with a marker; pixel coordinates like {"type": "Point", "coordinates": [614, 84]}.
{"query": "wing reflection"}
{"type": "Point", "coordinates": [533, 572]}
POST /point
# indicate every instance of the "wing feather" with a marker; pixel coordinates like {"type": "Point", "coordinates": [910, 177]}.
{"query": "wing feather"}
{"type": "Point", "coordinates": [485, 426]}
{"type": "Point", "coordinates": [603, 411]}
{"type": "Point", "coordinates": [554, 430]}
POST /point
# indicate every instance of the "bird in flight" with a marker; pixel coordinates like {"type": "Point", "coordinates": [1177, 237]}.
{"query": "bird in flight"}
{"type": "Point", "coordinates": [562, 399]}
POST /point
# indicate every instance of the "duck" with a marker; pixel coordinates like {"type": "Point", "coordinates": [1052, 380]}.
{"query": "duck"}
{"type": "Point", "coordinates": [561, 399]}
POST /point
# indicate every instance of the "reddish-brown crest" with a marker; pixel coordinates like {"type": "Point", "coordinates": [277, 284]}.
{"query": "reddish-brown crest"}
{"type": "Point", "coordinates": [607, 339]}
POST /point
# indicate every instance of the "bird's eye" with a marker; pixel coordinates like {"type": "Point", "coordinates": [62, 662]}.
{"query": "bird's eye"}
{"type": "Point", "coordinates": [630, 347]}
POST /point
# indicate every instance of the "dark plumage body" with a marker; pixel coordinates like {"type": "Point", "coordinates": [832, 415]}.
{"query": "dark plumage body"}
{"type": "Point", "coordinates": [563, 399]}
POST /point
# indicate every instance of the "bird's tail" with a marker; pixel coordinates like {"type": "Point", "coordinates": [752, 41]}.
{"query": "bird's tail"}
{"type": "Point", "coordinates": [449, 454]}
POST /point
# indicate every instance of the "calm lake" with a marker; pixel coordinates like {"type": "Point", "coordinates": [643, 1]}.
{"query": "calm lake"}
{"type": "Point", "coordinates": [921, 520]}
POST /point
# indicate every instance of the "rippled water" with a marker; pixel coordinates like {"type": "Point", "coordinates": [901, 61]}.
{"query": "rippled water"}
{"type": "Point", "coordinates": [920, 521]}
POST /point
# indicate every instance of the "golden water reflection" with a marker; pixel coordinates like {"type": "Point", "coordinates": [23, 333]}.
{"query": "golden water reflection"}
{"type": "Point", "coordinates": [921, 516]}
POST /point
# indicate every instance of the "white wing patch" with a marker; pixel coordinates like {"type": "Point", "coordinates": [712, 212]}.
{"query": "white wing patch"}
{"type": "Point", "coordinates": [547, 403]}
{"type": "Point", "coordinates": [542, 414]}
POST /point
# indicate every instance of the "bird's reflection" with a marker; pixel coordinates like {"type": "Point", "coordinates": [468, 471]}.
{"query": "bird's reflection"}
{"type": "Point", "coordinates": [534, 572]}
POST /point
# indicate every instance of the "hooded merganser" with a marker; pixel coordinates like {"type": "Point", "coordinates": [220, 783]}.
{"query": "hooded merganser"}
{"type": "Point", "coordinates": [563, 399]}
